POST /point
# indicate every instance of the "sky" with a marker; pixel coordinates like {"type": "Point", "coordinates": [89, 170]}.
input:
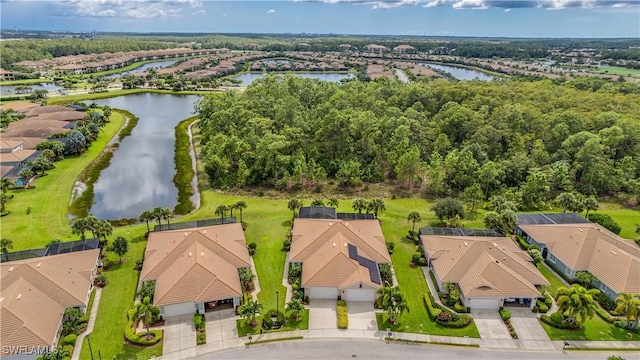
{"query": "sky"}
{"type": "Point", "coordinates": [478, 18]}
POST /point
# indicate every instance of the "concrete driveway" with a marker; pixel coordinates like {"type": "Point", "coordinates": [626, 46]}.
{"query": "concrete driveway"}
{"type": "Point", "coordinates": [179, 337]}
{"type": "Point", "coordinates": [323, 321]}
{"type": "Point", "coordinates": [362, 315]}
{"type": "Point", "coordinates": [221, 332]}
{"type": "Point", "coordinates": [530, 332]}
{"type": "Point", "coordinates": [490, 324]}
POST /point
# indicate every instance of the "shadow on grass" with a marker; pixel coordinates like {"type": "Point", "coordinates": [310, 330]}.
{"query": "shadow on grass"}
{"type": "Point", "coordinates": [286, 223]}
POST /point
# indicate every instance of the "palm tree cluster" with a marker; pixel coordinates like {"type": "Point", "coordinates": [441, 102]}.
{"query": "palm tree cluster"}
{"type": "Point", "coordinates": [629, 305]}
{"type": "Point", "coordinates": [372, 206]}
{"type": "Point", "coordinates": [99, 228]}
{"type": "Point", "coordinates": [147, 314]}
{"type": "Point", "coordinates": [577, 302]}
{"type": "Point", "coordinates": [222, 209]}
{"type": "Point", "coordinates": [392, 302]}
{"type": "Point", "coordinates": [158, 213]}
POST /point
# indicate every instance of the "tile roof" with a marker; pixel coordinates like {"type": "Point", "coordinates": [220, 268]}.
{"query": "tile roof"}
{"type": "Point", "coordinates": [34, 294]}
{"type": "Point", "coordinates": [321, 245]}
{"type": "Point", "coordinates": [590, 247]}
{"type": "Point", "coordinates": [18, 106]}
{"type": "Point", "coordinates": [15, 156]}
{"type": "Point", "coordinates": [484, 266]}
{"type": "Point", "coordinates": [198, 264]}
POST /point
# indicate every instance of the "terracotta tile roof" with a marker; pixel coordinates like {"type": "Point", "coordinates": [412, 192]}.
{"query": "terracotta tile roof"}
{"type": "Point", "coordinates": [34, 294]}
{"type": "Point", "coordinates": [9, 144]}
{"type": "Point", "coordinates": [59, 116]}
{"type": "Point", "coordinates": [484, 266]}
{"type": "Point", "coordinates": [16, 156]}
{"type": "Point", "coordinates": [27, 142]}
{"type": "Point", "coordinates": [590, 247]}
{"type": "Point", "coordinates": [321, 246]}
{"type": "Point", "coordinates": [198, 264]}
{"type": "Point", "coordinates": [46, 110]}
{"type": "Point", "coordinates": [18, 106]}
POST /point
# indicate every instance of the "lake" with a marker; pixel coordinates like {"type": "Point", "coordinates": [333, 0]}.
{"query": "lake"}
{"type": "Point", "coordinates": [140, 176]}
{"type": "Point", "coordinates": [248, 78]}
{"type": "Point", "coordinates": [143, 68]}
{"type": "Point", "coordinates": [461, 73]}
{"type": "Point", "coordinates": [11, 89]}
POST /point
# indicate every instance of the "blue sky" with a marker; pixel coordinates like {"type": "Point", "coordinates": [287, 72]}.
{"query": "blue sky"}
{"type": "Point", "coordinates": [504, 18]}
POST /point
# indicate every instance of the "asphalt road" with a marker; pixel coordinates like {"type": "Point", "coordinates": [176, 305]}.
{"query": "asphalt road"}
{"type": "Point", "coordinates": [349, 349]}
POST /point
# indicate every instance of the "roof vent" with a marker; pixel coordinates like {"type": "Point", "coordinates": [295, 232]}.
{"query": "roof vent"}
{"type": "Point", "coordinates": [345, 244]}
{"type": "Point", "coordinates": [495, 244]}
{"type": "Point", "coordinates": [11, 269]}
{"type": "Point", "coordinates": [504, 248]}
{"type": "Point", "coordinates": [504, 259]}
{"type": "Point", "coordinates": [614, 253]}
{"type": "Point", "coordinates": [202, 253]}
{"type": "Point", "coordinates": [38, 264]}
{"type": "Point", "coordinates": [19, 297]}
{"type": "Point", "coordinates": [204, 232]}
{"type": "Point", "coordinates": [346, 224]}
{"type": "Point", "coordinates": [185, 234]}
{"type": "Point", "coordinates": [497, 262]}
{"type": "Point", "coordinates": [465, 243]}
{"type": "Point", "coordinates": [334, 244]}
{"type": "Point", "coordinates": [190, 254]}
{"type": "Point", "coordinates": [330, 223]}
{"type": "Point", "coordinates": [580, 229]}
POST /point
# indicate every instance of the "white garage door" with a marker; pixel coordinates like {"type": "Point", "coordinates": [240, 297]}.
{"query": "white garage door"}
{"type": "Point", "coordinates": [323, 293]}
{"type": "Point", "coordinates": [360, 295]}
{"type": "Point", "coordinates": [478, 304]}
{"type": "Point", "coordinates": [179, 309]}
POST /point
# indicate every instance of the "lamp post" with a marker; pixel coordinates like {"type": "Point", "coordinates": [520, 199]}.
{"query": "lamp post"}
{"type": "Point", "coordinates": [89, 342]}
{"type": "Point", "coordinates": [277, 292]}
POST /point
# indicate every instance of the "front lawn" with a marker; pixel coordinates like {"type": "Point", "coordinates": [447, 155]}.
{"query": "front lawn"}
{"type": "Point", "coordinates": [594, 329]}
{"type": "Point", "coordinates": [117, 297]}
{"type": "Point", "coordinates": [244, 328]}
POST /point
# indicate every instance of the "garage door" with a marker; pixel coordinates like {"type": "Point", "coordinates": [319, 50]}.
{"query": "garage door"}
{"type": "Point", "coordinates": [323, 293]}
{"type": "Point", "coordinates": [360, 295]}
{"type": "Point", "coordinates": [179, 309]}
{"type": "Point", "coordinates": [478, 304]}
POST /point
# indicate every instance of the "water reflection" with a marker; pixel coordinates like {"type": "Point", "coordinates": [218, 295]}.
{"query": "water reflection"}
{"type": "Point", "coordinates": [461, 73]}
{"type": "Point", "coordinates": [143, 68]}
{"type": "Point", "coordinates": [11, 89]}
{"type": "Point", "coordinates": [140, 176]}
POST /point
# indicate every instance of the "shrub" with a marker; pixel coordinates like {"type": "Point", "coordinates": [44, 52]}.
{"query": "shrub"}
{"type": "Point", "coordinates": [390, 246]}
{"type": "Point", "coordinates": [505, 314]}
{"type": "Point", "coordinates": [343, 314]}
{"type": "Point", "coordinates": [433, 312]}
{"type": "Point", "coordinates": [201, 339]}
{"type": "Point", "coordinates": [267, 319]}
{"type": "Point", "coordinates": [69, 340]}
{"type": "Point", "coordinates": [559, 325]}
{"type": "Point", "coordinates": [197, 321]}
{"type": "Point", "coordinates": [606, 221]}
{"type": "Point", "coordinates": [547, 300]}
{"type": "Point", "coordinates": [286, 245]}
{"type": "Point", "coordinates": [513, 334]}
{"type": "Point", "coordinates": [100, 280]}
{"type": "Point", "coordinates": [556, 317]}
{"type": "Point", "coordinates": [605, 302]}
{"type": "Point", "coordinates": [139, 338]}
{"type": "Point", "coordinates": [458, 307]}
{"type": "Point", "coordinates": [542, 307]}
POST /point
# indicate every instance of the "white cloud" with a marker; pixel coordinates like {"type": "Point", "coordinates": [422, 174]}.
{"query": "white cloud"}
{"type": "Point", "coordinates": [199, 12]}
{"type": "Point", "coordinates": [507, 10]}
{"type": "Point", "coordinates": [271, 11]}
{"type": "Point", "coordinates": [486, 4]}
{"type": "Point", "coordinates": [136, 9]}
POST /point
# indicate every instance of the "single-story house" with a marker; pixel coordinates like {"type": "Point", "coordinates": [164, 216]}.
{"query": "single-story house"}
{"type": "Point", "coordinates": [339, 258]}
{"type": "Point", "coordinates": [34, 294]}
{"type": "Point", "coordinates": [588, 247]}
{"type": "Point", "coordinates": [488, 270]}
{"type": "Point", "coordinates": [196, 269]}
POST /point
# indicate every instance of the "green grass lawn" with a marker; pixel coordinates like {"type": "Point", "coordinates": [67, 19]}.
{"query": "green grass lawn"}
{"type": "Point", "coordinates": [117, 297]}
{"type": "Point", "coordinates": [50, 199]}
{"type": "Point", "coordinates": [25, 82]}
{"type": "Point", "coordinates": [628, 219]}
{"type": "Point", "coordinates": [617, 70]}
{"type": "Point", "coordinates": [302, 324]}
{"type": "Point", "coordinates": [594, 329]}
{"type": "Point", "coordinates": [552, 278]}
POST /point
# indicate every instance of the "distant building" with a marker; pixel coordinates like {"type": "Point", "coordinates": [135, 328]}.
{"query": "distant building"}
{"type": "Point", "coordinates": [404, 49]}
{"type": "Point", "coordinates": [376, 49]}
{"type": "Point", "coordinates": [6, 75]}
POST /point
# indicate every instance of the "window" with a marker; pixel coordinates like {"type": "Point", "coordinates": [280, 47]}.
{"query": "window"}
{"type": "Point", "coordinates": [603, 287]}
{"type": "Point", "coordinates": [552, 258]}
{"type": "Point", "coordinates": [569, 272]}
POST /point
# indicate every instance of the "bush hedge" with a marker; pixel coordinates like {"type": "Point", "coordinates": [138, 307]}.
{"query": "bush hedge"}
{"type": "Point", "coordinates": [542, 306]}
{"type": "Point", "coordinates": [267, 321]}
{"type": "Point", "coordinates": [505, 314]}
{"type": "Point", "coordinates": [69, 340]}
{"type": "Point", "coordinates": [549, 320]}
{"type": "Point", "coordinates": [444, 316]}
{"type": "Point", "coordinates": [139, 339]}
{"type": "Point", "coordinates": [604, 301]}
{"type": "Point", "coordinates": [343, 314]}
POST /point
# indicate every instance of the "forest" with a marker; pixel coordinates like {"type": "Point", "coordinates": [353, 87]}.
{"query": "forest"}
{"type": "Point", "coordinates": [527, 141]}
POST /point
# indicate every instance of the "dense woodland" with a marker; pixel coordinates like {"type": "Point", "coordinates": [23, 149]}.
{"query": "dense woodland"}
{"type": "Point", "coordinates": [529, 141]}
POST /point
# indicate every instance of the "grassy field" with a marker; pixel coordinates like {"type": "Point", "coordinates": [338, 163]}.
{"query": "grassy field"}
{"type": "Point", "coordinates": [616, 70]}
{"type": "Point", "coordinates": [117, 298]}
{"type": "Point", "coordinates": [25, 82]}
{"type": "Point", "coordinates": [594, 329]}
{"type": "Point", "coordinates": [50, 199]}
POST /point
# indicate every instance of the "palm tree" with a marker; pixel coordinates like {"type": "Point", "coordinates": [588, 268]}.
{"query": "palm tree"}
{"type": "Point", "coordinates": [377, 205]}
{"type": "Point", "coordinates": [246, 276]}
{"type": "Point", "coordinates": [630, 306]}
{"type": "Point", "coordinates": [157, 214]}
{"type": "Point", "coordinates": [414, 217]}
{"type": "Point", "coordinates": [392, 302]}
{"type": "Point", "coordinates": [147, 314]}
{"type": "Point", "coordinates": [231, 208]}
{"type": "Point", "coordinates": [5, 184]}
{"type": "Point", "coordinates": [4, 198]}
{"type": "Point", "coordinates": [590, 203]}
{"type": "Point", "coordinates": [5, 246]}
{"type": "Point", "coordinates": [91, 223]}
{"type": "Point", "coordinates": [577, 302]}
{"type": "Point", "coordinates": [296, 307]}
{"type": "Point", "coordinates": [167, 214]}
{"type": "Point", "coordinates": [333, 202]}
{"type": "Point", "coordinates": [103, 229]}
{"type": "Point", "coordinates": [317, 202]}
{"type": "Point", "coordinates": [359, 204]}
{"type": "Point", "coordinates": [249, 311]}
{"type": "Point", "coordinates": [146, 216]}
{"type": "Point", "coordinates": [293, 205]}
{"type": "Point", "coordinates": [222, 210]}
{"type": "Point", "coordinates": [241, 205]}
{"type": "Point", "coordinates": [79, 227]}
{"type": "Point", "coordinates": [566, 200]}
{"type": "Point", "coordinates": [26, 175]}
{"type": "Point", "coordinates": [59, 353]}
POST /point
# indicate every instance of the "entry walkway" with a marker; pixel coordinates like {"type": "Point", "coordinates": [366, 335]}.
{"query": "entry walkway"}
{"type": "Point", "coordinates": [92, 321]}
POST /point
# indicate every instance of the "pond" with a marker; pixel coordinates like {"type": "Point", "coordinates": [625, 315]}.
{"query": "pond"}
{"type": "Point", "coordinates": [461, 73]}
{"type": "Point", "coordinates": [140, 175]}
{"type": "Point", "coordinates": [11, 89]}
{"type": "Point", "coordinates": [143, 68]}
{"type": "Point", "coordinates": [248, 78]}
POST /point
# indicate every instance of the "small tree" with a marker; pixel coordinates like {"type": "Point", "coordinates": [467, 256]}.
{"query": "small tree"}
{"type": "Point", "coordinates": [295, 306]}
{"type": "Point", "coordinates": [630, 306]}
{"type": "Point", "coordinates": [5, 246]}
{"type": "Point", "coordinates": [4, 199]}
{"type": "Point", "coordinates": [293, 205]}
{"type": "Point", "coordinates": [79, 227]}
{"type": "Point", "coordinates": [147, 216]}
{"type": "Point", "coordinates": [333, 202]}
{"type": "Point", "coordinates": [222, 211]}
{"type": "Point", "coordinates": [250, 310]}
{"type": "Point", "coordinates": [359, 204]}
{"type": "Point", "coordinates": [577, 302]}
{"type": "Point", "coordinates": [26, 175]}
{"type": "Point", "coordinates": [147, 314]}
{"type": "Point", "coordinates": [241, 205]}
{"type": "Point", "coordinates": [591, 203]}
{"type": "Point", "coordinates": [120, 246]}
{"type": "Point", "coordinates": [585, 278]}
{"type": "Point", "coordinates": [147, 290]}
{"type": "Point", "coordinates": [536, 255]}
{"type": "Point", "coordinates": [414, 217]}
{"type": "Point", "coordinates": [317, 202]}
{"type": "Point", "coordinates": [448, 208]}
{"type": "Point", "coordinates": [392, 302]}
{"type": "Point", "coordinates": [376, 205]}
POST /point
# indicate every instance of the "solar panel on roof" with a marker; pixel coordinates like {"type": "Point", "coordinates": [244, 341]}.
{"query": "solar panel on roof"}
{"type": "Point", "coordinates": [353, 252]}
{"type": "Point", "coordinates": [374, 273]}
